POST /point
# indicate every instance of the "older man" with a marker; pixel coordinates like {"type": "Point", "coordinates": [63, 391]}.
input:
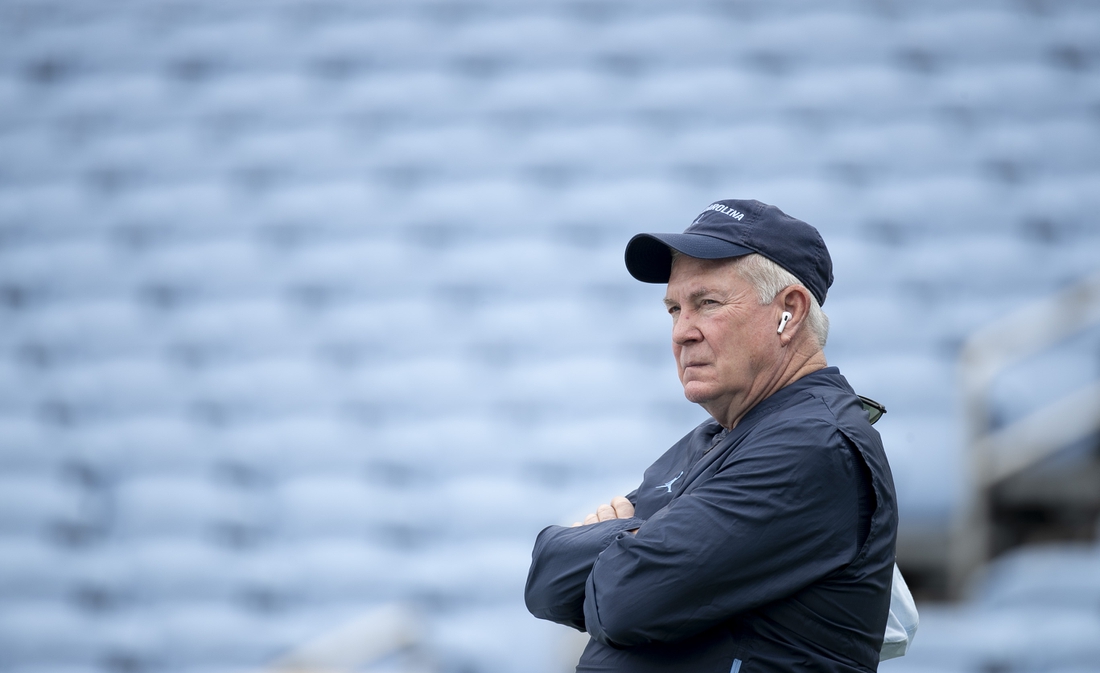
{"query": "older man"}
{"type": "Point", "coordinates": [764, 539]}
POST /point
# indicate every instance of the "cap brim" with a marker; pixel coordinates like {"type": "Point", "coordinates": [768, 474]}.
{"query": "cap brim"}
{"type": "Point", "coordinates": [649, 256]}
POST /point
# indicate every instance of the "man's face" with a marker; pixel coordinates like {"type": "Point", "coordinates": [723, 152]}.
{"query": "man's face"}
{"type": "Point", "coordinates": [724, 341]}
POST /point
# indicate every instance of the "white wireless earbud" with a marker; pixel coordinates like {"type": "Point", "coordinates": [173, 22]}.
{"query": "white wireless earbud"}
{"type": "Point", "coordinates": [783, 321]}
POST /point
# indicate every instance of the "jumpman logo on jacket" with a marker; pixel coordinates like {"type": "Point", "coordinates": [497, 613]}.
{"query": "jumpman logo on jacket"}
{"type": "Point", "coordinates": [670, 483]}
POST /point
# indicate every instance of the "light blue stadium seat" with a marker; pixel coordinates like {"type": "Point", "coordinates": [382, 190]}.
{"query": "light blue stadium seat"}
{"type": "Point", "coordinates": [581, 383]}
{"type": "Point", "coordinates": [344, 505]}
{"type": "Point", "coordinates": [481, 507]}
{"type": "Point", "coordinates": [860, 263]}
{"type": "Point", "coordinates": [984, 263]}
{"type": "Point", "coordinates": [1031, 88]}
{"type": "Point", "coordinates": [151, 506]}
{"type": "Point", "coordinates": [101, 42]}
{"type": "Point", "coordinates": [234, 43]}
{"type": "Point", "coordinates": [442, 444]}
{"type": "Point", "coordinates": [495, 204]}
{"type": "Point", "coordinates": [869, 90]}
{"type": "Point", "coordinates": [608, 147]}
{"type": "Point", "coordinates": [386, 40]}
{"type": "Point", "coordinates": [297, 444]}
{"type": "Point", "coordinates": [975, 36]}
{"type": "Point", "coordinates": [91, 264]}
{"type": "Point", "coordinates": [36, 154]}
{"type": "Point", "coordinates": [467, 635]}
{"type": "Point", "coordinates": [147, 445]}
{"type": "Point", "coordinates": [227, 267]}
{"type": "Point", "coordinates": [262, 326]}
{"type": "Point", "coordinates": [48, 631]}
{"type": "Point", "coordinates": [360, 266]}
{"type": "Point", "coordinates": [39, 505]}
{"type": "Point", "coordinates": [1048, 150]}
{"type": "Point", "coordinates": [218, 633]}
{"type": "Point", "coordinates": [622, 446]}
{"type": "Point", "coordinates": [533, 39]}
{"type": "Point", "coordinates": [942, 204]}
{"type": "Point", "coordinates": [678, 91]}
{"type": "Point", "coordinates": [280, 386]}
{"type": "Point", "coordinates": [28, 446]}
{"type": "Point", "coordinates": [10, 93]}
{"type": "Point", "coordinates": [140, 385]}
{"type": "Point", "coordinates": [388, 93]}
{"type": "Point", "coordinates": [49, 207]}
{"type": "Point", "coordinates": [95, 578]}
{"type": "Point", "coordinates": [625, 206]}
{"type": "Point", "coordinates": [916, 383]}
{"type": "Point", "coordinates": [17, 388]}
{"type": "Point", "coordinates": [773, 148]}
{"type": "Point", "coordinates": [1044, 378]}
{"type": "Point", "coordinates": [63, 668]}
{"type": "Point", "coordinates": [927, 461]}
{"type": "Point", "coordinates": [874, 323]}
{"type": "Point", "coordinates": [1053, 576]}
{"type": "Point", "coordinates": [271, 96]}
{"type": "Point", "coordinates": [457, 385]}
{"type": "Point", "coordinates": [676, 37]}
{"type": "Point", "coordinates": [303, 211]}
{"type": "Point", "coordinates": [190, 568]}
{"type": "Point", "coordinates": [451, 150]}
{"type": "Point", "coordinates": [1031, 639]}
{"type": "Point", "coordinates": [312, 152]}
{"type": "Point", "coordinates": [905, 148]}
{"type": "Point", "coordinates": [29, 568]}
{"type": "Point", "coordinates": [348, 570]}
{"type": "Point", "coordinates": [98, 96]}
{"type": "Point", "coordinates": [195, 206]}
{"type": "Point", "coordinates": [161, 153]}
{"type": "Point", "coordinates": [518, 267]}
{"type": "Point", "coordinates": [477, 571]}
{"type": "Point", "coordinates": [841, 35]}
{"type": "Point", "coordinates": [526, 329]}
{"type": "Point", "coordinates": [1068, 202]}
{"type": "Point", "coordinates": [560, 93]}
{"type": "Point", "coordinates": [364, 329]}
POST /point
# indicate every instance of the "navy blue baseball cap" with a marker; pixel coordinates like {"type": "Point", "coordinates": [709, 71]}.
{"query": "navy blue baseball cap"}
{"type": "Point", "coordinates": [734, 228]}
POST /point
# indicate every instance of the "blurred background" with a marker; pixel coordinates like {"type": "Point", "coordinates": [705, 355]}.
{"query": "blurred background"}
{"type": "Point", "coordinates": [313, 313]}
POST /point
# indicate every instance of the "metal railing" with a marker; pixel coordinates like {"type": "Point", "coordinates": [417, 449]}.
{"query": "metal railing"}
{"type": "Point", "coordinates": [998, 454]}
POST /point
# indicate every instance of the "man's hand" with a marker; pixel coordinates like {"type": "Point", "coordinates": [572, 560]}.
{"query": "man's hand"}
{"type": "Point", "coordinates": [618, 508]}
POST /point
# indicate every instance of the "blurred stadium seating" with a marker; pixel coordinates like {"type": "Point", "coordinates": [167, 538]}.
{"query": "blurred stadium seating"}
{"type": "Point", "coordinates": [309, 307]}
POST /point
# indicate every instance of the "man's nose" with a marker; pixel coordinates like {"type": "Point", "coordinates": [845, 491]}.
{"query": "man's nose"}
{"type": "Point", "coordinates": [684, 330]}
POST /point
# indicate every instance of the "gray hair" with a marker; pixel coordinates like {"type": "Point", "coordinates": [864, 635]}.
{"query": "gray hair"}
{"type": "Point", "coordinates": [769, 279]}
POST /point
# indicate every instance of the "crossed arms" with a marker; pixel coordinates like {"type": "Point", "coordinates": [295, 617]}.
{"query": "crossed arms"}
{"type": "Point", "coordinates": [758, 530]}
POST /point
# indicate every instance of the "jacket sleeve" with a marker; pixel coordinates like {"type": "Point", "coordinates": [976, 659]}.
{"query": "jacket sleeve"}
{"type": "Point", "coordinates": [777, 516]}
{"type": "Point", "coordinates": [560, 564]}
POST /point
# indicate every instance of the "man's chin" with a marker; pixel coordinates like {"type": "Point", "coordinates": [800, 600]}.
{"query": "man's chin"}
{"type": "Point", "coordinates": [697, 393]}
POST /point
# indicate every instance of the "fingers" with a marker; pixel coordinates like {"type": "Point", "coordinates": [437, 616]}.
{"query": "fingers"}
{"type": "Point", "coordinates": [623, 508]}
{"type": "Point", "coordinates": [605, 513]}
{"type": "Point", "coordinates": [619, 508]}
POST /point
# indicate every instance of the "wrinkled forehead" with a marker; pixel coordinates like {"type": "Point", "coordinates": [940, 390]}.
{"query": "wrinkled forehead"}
{"type": "Point", "coordinates": [691, 276]}
{"type": "Point", "coordinates": [693, 267]}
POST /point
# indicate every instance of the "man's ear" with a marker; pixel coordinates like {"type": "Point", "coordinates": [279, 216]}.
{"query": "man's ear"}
{"type": "Point", "coordinates": [795, 300]}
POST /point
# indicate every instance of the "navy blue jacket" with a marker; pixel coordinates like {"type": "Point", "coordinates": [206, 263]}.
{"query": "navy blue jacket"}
{"type": "Point", "coordinates": [766, 548]}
